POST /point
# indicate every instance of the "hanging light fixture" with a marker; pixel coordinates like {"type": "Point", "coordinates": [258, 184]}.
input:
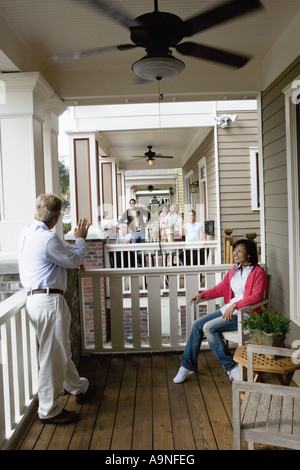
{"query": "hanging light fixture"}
{"type": "Point", "coordinates": [194, 187]}
{"type": "Point", "coordinates": [157, 68]}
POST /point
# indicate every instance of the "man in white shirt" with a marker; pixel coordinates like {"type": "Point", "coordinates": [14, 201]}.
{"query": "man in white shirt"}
{"type": "Point", "coordinates": [43, 260]}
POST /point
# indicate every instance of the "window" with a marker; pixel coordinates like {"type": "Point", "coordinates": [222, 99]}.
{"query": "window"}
{"type": "Point", "coordinates": [1, 185]}
{"type": "Point", "coordinates": [1, 192]}
{"type": "Point", "coordinates": [298, 149]}
{"type": "Point", "coordinates": [202, 189]}
{"type": "Point", "coordinates": [255, 178]}
{"type": "Point", "coordinates": [292, 114]}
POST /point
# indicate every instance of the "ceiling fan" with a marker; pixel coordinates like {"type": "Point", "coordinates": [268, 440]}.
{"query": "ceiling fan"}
{"type": "Point", "coordinates": [151, 156]}
{"type": "Point", "coordinates": [151, 188]}
{"type": "Point", "coordinates": [158, 31]}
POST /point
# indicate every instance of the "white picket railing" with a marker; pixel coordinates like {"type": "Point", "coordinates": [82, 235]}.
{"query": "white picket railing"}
{"type": "Point", "coordinates": [160, 254]}
{"type": "Point", "coordinates": [154, 255]}
{"type": "Point", "coordinates": [18, 365]}
{"type": "Point", "coordinates": [114, 317]}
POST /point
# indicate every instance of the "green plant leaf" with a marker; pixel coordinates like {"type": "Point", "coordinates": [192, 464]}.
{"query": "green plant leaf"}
{"type": "Point", "coordinates": [268, 322]}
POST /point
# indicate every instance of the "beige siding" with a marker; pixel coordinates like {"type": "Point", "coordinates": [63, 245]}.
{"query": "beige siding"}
{"type": "Point", "coordinates": [234, 144]}
{"type": "Point", "coordinates": [206, 149]}
{"type": "Point", "coordinates": [211, 181]}
{"type": "Point", "coordinates": [234, 175]}
{"type": "Point", "coordinates": [275, 186]}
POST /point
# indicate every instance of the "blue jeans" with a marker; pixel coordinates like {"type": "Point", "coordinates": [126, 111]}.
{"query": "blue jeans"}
{"type": "Point", "coordinates": [211, 325]}
{"type": "Point", "coordinates": [138, 237]}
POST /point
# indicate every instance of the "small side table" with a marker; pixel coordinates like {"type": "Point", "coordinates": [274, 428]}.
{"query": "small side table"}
{"type": "Point", "coordinates": [282, 368]}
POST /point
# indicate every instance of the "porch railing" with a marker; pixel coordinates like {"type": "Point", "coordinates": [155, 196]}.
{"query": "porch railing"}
{"type": "Point", "coordinates": [160, 254]}
{"type": "Point", "coordinates": [18, 365]}
{"type": "Point", "coordinates": [156, 318]}
{"type": "Point", "coordinates": [154, 255]}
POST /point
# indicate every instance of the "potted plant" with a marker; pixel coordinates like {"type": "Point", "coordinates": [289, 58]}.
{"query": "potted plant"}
{"type": "Point", "coordinates": [267, 328]}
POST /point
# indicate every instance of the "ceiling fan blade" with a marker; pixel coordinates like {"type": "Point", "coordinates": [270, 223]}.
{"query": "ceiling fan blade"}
{"type": "Point", "coordinates": [162, 156]}
{"type": "Point", "coordinates": [79, 54]}
{"type": "Point", "coordinates": [116, 14]}
{"type": "Point", "coordinates": [219, 14]}
{"type": "Point", "coordinates": [212, 54]}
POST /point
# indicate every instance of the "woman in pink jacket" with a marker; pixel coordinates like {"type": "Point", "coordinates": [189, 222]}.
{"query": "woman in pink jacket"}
{"type": "Point", "coordinates": [242, 286]}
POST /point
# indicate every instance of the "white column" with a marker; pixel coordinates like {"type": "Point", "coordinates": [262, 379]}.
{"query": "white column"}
{"type": "Point", "coordinates": [85, 180]}
{"type": "Point", "coordinates": [22, 175]}
{"type": "Point", "coordinates": [108, 193]}
{"type": "Point", "coordinates": [122, 203]}
{"type": "Point", "coordinates": [54, 107]}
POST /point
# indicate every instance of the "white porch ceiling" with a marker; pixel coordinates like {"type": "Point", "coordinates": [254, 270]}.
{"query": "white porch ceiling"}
{"type": "Point", "coordinates": [175, 142]}
{"type": "Point", "coordinates": [32, 31]}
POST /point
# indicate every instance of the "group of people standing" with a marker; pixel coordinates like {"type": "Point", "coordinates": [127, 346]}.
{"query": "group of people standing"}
{"type": "Point", "coordinates": [170, 223]}
{"type": "Point", "coordinates": [43, 261]}
{"type": "Point", "coordinates": [133, 222]}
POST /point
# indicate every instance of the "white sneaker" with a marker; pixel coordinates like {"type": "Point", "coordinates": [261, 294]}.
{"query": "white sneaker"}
{"type": "Point", "coordinates": [233, 374]}
{"type": "Point", "coordinates": [182, 375]}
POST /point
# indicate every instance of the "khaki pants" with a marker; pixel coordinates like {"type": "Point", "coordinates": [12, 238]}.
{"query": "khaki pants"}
{"type": "Point", "coordinates": [50, 316]}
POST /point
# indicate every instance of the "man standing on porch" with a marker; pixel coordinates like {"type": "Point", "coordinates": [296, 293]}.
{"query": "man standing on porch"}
{"type": "Point", "coordinates": [43, 259]}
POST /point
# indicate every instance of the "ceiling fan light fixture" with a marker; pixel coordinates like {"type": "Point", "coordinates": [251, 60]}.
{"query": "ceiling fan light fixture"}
{"type": "Point", "coordinates": [157, 68]}
{"type": "Point", "coordinates": [150, 162]}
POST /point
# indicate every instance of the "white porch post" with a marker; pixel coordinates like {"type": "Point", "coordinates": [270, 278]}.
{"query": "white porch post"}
{"type": "Point", "coordinates": [22, 170]}
{"type": "Point", "coordinates": [85, 180]}
{"type": "Point", "coordinates": [54, 107]}
{"type": "Point", "coordinates": [122, 204]}
{"type": "Point", "coordinates": [108, 194]}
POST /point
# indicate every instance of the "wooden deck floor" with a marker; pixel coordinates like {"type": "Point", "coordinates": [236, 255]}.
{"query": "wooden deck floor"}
{"type": "Point", "coordinates": [138, 407]}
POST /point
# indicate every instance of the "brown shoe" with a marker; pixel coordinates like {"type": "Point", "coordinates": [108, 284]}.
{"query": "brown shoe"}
{"type": "Point", "coordinates": [82, 397]}
{"type": "Point", "coordinates": [64, 417]}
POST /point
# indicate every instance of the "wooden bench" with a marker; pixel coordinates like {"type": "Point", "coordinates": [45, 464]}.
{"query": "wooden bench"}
{"type": "Point", "coordinates": [265, 413]}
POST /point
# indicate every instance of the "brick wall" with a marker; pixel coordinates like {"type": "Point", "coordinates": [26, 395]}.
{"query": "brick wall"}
{"type": "Point", "coordinates": [94, 259]}
{"type": "Point", "coordinates": [72, 298]}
